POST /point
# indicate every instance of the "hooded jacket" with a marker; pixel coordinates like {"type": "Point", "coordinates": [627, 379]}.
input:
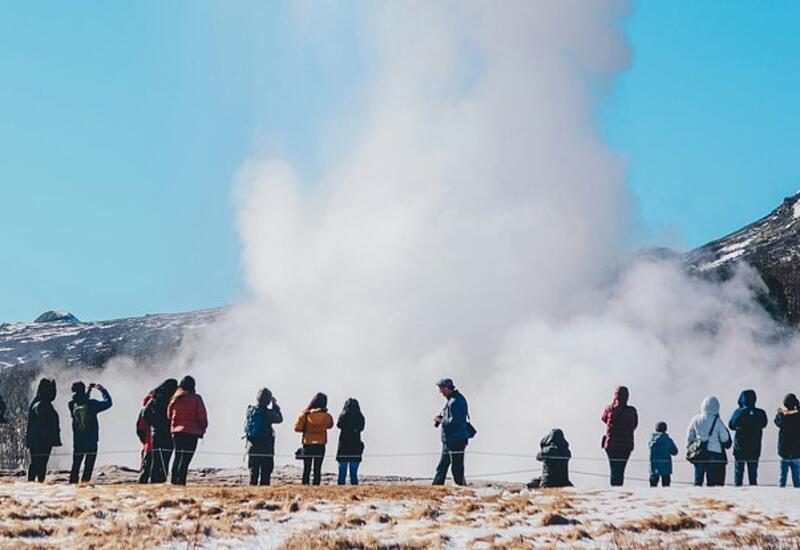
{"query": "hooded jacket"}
{"type": "Point", "coordinates": [314, 426]}
{"type": "Point", "coordinates": [749, 422]}
{"type": "Point", "coordinates": [554, 454]}
{"type": "Point", "coordinates": [155, 414]}
{"type": "Point", "coordinates": [88, 439]}
{"type": "Point", "coordinates": [788, 422]}
{"type": "Point", "coordinates": [700, 427]}
{"type": "Point", "coordinates": [271, 415]}
{"type": "Point", "coordinates": [43, 431]}
{"type": "Point", "coordinates": [621, 421]}
{"type": "Point", "coordinates": [662, 449]}
{"type": "Point", "coordinates": [454, 420]}
{"type": "Point", "coordinates": [351, 423]}
{"type": "Point", "coordinates": [187, 413]}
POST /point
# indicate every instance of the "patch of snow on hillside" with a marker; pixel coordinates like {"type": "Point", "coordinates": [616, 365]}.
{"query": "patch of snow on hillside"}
{"type": "Point", "coordinates": [725, 258]}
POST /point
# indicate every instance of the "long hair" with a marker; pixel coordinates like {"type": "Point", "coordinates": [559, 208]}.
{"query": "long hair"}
{"type": "Point", "coordinates": [320, 401]}
{"type": "Point", "coordinates": [351, 406]}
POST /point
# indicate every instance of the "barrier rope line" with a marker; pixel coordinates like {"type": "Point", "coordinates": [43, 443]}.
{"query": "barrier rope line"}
{"type": "Point", "coordinates": [244, 455]}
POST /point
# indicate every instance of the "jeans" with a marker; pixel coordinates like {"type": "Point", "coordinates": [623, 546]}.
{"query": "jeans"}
{"type": "Point", "coordinates": [38, 467]}
{"type": "Point", "coordinates": [343, 468]}
{"type": "Point", "coordinates": [617, 461]}
{"type": "Point", "coordinates": [185, 446]}
{"type": "Point", "coordinates": [793, 465]}
{"type": "Point", "coordinates": [315, 455]}
{"type": "Point", "coordinates": [261, 469]}
{"type": "Point", "coordinates": [712, 469]}
{"type": "Point", "coordinates": [665, 480]}
{"type": "Point", "coordinates": [452, 454]}
{"type": "Point", "coordinates": [88, 458]}
{"type": "Point", "coordinates": [155, 466]}
{"type": "Point", "coordinates": [752, 472]}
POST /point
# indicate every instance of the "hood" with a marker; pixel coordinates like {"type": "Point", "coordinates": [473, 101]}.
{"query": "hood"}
{"type": "Point", "coordinates": [791, 401]}
{"type": "Point", "coordinates": [555, 438]}
{"type": "Point", "coordinates": [658, 435]}
{"type": "Point", "coordinates": [80, 396]}
{"type": "Point", "coordinates": [621, 396]}
{"type": "Point", "coordinates": [46, 391]}
{"type": "Point", "coordinates": [710, 405]}
{"type": "Point", "coordinates": [747, 398]}
{"type": "Point", "coordinates": [264, 397]}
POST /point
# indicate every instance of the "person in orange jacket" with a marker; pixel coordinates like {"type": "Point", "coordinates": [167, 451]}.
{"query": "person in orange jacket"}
{"type": "Point", "coordinates": [314, 423]}
{"type": "Point", "coordinates": [188, 423]}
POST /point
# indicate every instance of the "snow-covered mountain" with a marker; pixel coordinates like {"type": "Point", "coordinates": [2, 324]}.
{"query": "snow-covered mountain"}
{"type": "Point", "coordinates": [771, 245]}
{"type": "Point", "coordinates": [58, 337]}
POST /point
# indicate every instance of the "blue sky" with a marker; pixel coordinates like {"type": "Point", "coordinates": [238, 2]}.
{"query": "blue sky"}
{"type": "Point", "coordinates": [123, 124]}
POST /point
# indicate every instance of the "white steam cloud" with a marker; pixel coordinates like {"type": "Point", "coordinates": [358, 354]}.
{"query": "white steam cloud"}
{"type": "Point", "coordinates": [475, 227]}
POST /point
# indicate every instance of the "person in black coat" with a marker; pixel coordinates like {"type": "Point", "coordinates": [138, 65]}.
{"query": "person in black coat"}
{"type": "Point", "coordinates": [749, 422]}
{"type": "Point", "coordinates": [155, 415]}
{"type": "Point", "coordinates": [351, 448]}
{"type": "Point", "coordinates": [43, 431]}
{"type": "Point", "coordinates": [554, 454]}
{"type": "Point", "coordinates": [260, 436]}
{"type": "Point", "coordinates": [788, 422]}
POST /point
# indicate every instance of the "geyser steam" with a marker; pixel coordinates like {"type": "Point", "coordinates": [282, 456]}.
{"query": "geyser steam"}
{"type": "Point", "coordinates": [474, 227]}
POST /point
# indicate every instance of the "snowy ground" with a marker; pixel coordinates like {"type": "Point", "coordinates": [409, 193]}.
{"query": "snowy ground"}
{"type": "Point", "coordinates": [405, 515]}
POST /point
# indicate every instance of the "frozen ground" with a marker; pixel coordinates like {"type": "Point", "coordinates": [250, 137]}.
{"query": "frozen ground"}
{"type": "Point", "coordinates": [218, 513]}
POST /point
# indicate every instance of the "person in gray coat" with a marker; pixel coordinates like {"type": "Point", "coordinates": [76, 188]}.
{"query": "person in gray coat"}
{"type": "Point", "coordinates": [708, 426]}
{"type": "Point", "coordinates": [662, 449]}
{"type": "Point", "coordinates": [455, 433]}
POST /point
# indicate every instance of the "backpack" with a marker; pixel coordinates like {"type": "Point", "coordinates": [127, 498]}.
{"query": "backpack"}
{"type": "Point", "coordinates": [81, 418]}
{"type": "Point", "coordinates": [256, 426]}
{"type": "Point", "coordinates": [142, 427]}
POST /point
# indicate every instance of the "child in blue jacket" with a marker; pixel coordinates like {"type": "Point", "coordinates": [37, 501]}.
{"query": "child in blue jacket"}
{"type": "Point", "coordinates": [662, 449]}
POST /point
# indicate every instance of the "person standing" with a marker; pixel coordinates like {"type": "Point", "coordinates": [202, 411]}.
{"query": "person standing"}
{"type": "Point", "coordinates": [351, 448]}
{"type": "Point", "coordinates": [314, 423]}
{"type": "Point", "coordinates": [455, 433]}
{"type": "Point", "coordinates": [662, 449]}
{"type": "Point", "coordinates": [145, 435]}
{"type": "Point", "coordinates": [43, 431]}
{"type": "Point", "coordinates": [188, 422]}
{"type": "Point", "coordinates": [260, 436]}
{"type": "Point", "coordinates": [707, 427]}
{"type": "Point", "coordinates": [748, 422]}
{"type": "Point", "coordinates": [155, 415]}
{"type": "Point", "coordinates": [788, 422]}
{"type": "Point", "coordinates": [621, 421]}
{"type": "Point", "coordinates": [85, 428]}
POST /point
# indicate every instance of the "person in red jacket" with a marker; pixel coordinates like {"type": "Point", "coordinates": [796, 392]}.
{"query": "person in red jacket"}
{"type": "Point", "coordinates": [621, 421]}
{"type": "Point", "coordinates": [188, 423]}
{"type": "Point", "coordinates": [146, 437]}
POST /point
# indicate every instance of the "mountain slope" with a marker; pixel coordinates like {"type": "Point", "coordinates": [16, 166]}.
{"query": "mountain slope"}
{"type": "Point", "coordinates": [771, 245]}
{"type": "Point", "coordinates": [60, 338]}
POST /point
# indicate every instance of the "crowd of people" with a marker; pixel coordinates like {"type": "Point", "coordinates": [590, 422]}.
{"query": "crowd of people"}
{"type": "Point", "coordinates": [173, 418]}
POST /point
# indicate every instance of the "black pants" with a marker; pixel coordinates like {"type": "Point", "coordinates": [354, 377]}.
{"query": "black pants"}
{"type": "Point", "coordinates": [315, 454]}
{"type": "Point", "coordinates": [155, 466]}
{"type": "Point", "coordinates": [185, 446]}
{"type": "Point", "coordinates": [712, 469]}
{"type": "Point", "coordinates": [261, 469]}
{"type": "Point", "coordinates": [752, 472]}
{"type": "Point", "coordinates": [452, 455]}
{"type": "Point", "coordinates": [617, 461]}
{"type": "Point", "coordinates": [665, 480]}
{"type": "Point", "coordinates": [86, 457]}
{"type": "Point", "coordinates": [38, 466]}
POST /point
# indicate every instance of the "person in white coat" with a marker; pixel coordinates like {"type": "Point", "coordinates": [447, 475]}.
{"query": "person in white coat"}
{"type": "Point", "coordinates": [708, 426]}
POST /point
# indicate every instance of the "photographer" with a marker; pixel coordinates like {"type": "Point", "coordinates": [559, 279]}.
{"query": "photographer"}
{"type": "Point", "coordinates": [85, 428]}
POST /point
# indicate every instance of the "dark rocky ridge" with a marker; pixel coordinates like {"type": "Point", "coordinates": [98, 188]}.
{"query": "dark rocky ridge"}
{"type": "Point", "coordinates": [772, 246]}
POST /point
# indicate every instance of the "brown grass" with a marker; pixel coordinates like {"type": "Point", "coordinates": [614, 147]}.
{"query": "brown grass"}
{"type": "Point", "coordinates": [321, 541]}
{"type": "Point", "coordinates": [553, 518]}
{"type": "Point", "coordinates": [665, 523]}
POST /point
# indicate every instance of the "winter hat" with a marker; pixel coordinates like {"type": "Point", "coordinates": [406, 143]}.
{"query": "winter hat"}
{"type": "Point", "coordinates": [791, 401]}
{"type": "Point", "coordinates": [446, 383]}
{"type": "Point", "coordinates": [187, 383]}
{"type": "Point", "coordinates": [661, 427]}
